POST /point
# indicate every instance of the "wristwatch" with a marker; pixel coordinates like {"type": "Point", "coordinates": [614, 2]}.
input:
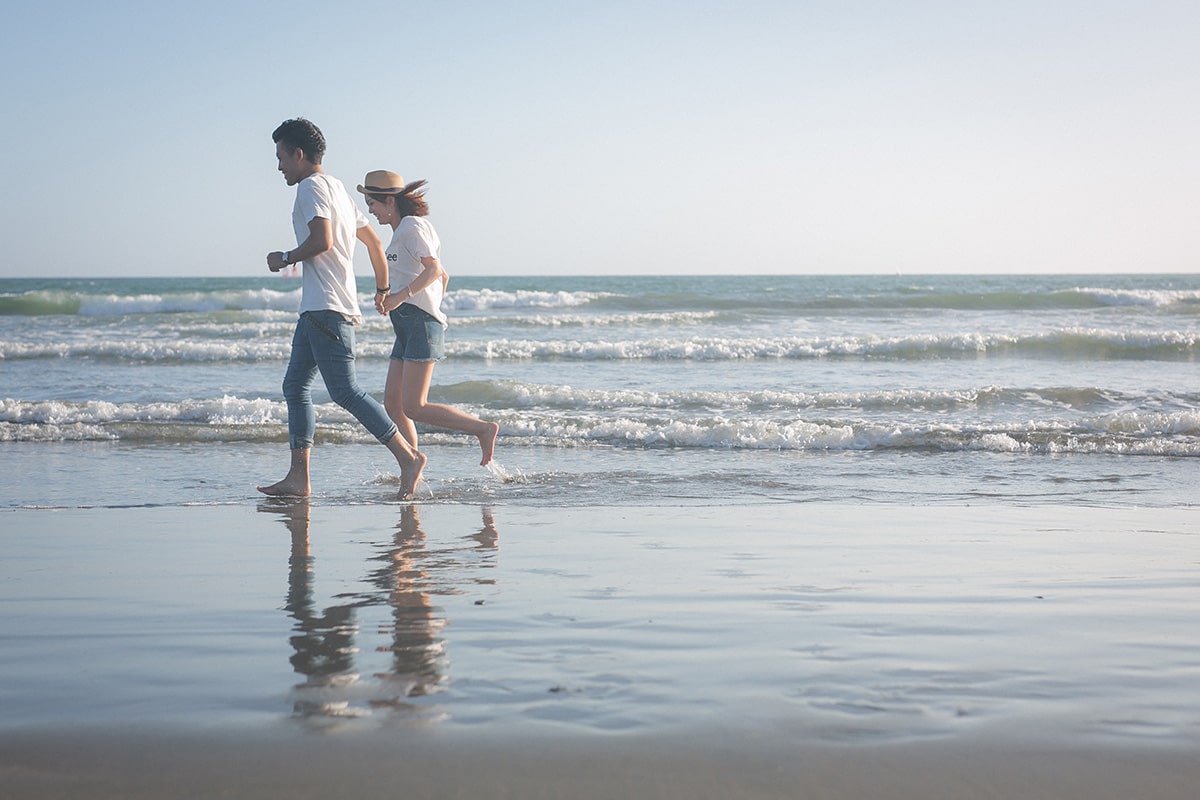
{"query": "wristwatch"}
{"type": "Point", "coordinates": [287, 258]}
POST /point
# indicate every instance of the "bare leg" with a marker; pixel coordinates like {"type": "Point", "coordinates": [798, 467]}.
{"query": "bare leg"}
{"type": "Point", "coordinates": [393, 403]}
{"type": "Point", "coordinates": [295, 483]}
{"type": "Point", "coordinates": [487, 442]}
{"type": "Point", "coordinates": [411, 464]}
{"type": "Point", "coordinates": [414, 389]}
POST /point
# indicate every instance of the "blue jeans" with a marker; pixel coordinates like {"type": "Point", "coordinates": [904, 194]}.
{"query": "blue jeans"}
{"type": "Point", "coordinates": [324, 342]}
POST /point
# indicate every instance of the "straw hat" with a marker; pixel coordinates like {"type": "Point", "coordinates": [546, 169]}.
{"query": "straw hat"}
{"type": "Point", "coordinates": [381, 181]}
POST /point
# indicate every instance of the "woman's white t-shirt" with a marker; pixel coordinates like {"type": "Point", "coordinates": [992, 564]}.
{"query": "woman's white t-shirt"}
{"type": "Point", "coordinates": [414, 239]}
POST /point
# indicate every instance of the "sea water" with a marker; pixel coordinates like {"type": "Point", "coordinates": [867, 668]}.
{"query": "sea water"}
{"type": "Point", "coordinates": [1013, 389]}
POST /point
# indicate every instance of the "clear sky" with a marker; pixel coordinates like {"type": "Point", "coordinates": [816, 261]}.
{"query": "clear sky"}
{"type": "Point", "coordinates": [566, 137]}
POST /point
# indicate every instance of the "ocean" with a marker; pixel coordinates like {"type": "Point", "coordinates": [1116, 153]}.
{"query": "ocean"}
{"type": "Point", "coordinates": [626, 391]}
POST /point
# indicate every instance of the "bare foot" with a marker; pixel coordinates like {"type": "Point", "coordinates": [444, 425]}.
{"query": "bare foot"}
{"type": "Point", "coordinates": [410, 473]}
{"type": "Point", "coordinates": [487, 442]}
{"type": "Point", "coordinates": [287, 488]}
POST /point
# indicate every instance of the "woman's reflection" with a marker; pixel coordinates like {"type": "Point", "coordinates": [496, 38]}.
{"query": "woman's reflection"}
{"type": "Point", "coordinates": [402, 577]}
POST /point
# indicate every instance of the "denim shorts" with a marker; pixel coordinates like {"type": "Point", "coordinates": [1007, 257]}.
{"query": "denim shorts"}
{"type": "Point", "coordinates": [419, 335]}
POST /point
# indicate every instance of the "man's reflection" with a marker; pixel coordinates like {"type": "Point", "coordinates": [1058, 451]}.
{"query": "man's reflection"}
{"type": "Point", "coordinates": [323, 643]}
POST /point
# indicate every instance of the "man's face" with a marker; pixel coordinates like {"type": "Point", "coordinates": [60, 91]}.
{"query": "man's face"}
{"type": "Point", "coordinates": [290, 163]}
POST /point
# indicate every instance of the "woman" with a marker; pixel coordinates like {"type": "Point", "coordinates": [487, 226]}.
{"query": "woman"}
{"type": "Point", "coordinates": [413, 299]}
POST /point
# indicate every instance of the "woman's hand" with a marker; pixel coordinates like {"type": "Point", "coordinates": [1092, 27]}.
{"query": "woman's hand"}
{"type": "Point", "coordinates": [392, 302]}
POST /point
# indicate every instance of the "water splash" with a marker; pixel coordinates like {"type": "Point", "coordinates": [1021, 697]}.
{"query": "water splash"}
{"type": "Point", "coordinates": [498, 470]}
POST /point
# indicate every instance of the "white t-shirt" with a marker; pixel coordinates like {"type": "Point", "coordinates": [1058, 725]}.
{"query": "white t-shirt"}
{"type": "Point", "coordinates": [328, 279]}
{"type": "Point", "coordinates": [413, 240]}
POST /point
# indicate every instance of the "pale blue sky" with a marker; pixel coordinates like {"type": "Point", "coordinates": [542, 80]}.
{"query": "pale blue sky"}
{"type": "Point", "coordinates": [618, 137]}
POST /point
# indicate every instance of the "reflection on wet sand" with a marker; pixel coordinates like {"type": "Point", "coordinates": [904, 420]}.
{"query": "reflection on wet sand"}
{"type": "Point", "coordinates": [406, 577]}
{"type": "Point", "coordinates": [402, 581]}
{"type": "Point", "coordinates": [323, 643]}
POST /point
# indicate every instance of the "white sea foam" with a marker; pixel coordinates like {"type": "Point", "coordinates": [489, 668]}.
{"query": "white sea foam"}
{"type": "Point", "coordinates": [153, 350]}
{"type": "Point", "coordinates": [1071, 342]}
{"type": "Point", "coordinates": [233, 419]}
{"type": "Point", "coordinates": [483, 299]}
{"type": "Point", "coordinates": [1158, 298]}
{"type": "Point", "coordinates": [630, 319]}
{"type": "Point", "coordinates": [51, 432]}
{"type": "Point", "coordinates": [523, 395]}
{"type": "Point", "coordinates": [112, 304]}
{"type": "Point", "coordinates": [226, 410]}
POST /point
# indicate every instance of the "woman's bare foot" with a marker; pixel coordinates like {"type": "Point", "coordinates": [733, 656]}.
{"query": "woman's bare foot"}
{"type": "Point", "coordinates": [288, 487]}
{"type": "Point", "coordinates": [410, 473]}
{"type": "Point", "coordinates": [487, 442]}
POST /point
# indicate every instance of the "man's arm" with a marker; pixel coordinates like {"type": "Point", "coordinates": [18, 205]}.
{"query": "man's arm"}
{"type": "Point", "coordinates": [367, 235]}
{"type": "Point", "coordinates": [320, 239]}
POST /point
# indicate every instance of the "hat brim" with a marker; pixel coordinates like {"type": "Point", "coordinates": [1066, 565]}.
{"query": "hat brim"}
{"type": "Point", "coordinates": [379, 190]}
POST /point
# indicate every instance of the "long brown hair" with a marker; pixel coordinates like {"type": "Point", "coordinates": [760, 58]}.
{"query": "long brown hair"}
{"type": "Point", "coordinates": [410, 202]}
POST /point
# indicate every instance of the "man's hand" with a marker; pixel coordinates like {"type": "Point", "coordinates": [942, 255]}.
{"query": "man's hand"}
{"type": "Point", "coordinates": [275, 261]}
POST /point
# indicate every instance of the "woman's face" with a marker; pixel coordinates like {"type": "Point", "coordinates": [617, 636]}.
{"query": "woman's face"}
{"type": "Point", "coordinates": [383, 210]}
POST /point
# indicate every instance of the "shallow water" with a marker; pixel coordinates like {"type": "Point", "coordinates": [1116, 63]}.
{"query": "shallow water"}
{"type": "Point", "coordinates": [837, 623]}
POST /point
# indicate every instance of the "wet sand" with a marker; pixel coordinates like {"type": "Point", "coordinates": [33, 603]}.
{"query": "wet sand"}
{"type": "Point", "coordinates": [295, 649]}
{"type": "Point", "coordinates": [112, 764]}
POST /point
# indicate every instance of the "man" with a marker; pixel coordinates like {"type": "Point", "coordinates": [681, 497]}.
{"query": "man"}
{"type": "Point", "coordinates": [327, 224]}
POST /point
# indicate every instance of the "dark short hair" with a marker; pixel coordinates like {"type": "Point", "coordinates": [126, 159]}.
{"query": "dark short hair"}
{"type": "Point", "coordinates": [301, 134]}
{"type": "Point", "coordinates": [410, 202]}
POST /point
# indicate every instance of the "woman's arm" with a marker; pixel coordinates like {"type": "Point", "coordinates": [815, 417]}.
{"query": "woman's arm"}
{"type": "Point", "coordinates": [433, 271]}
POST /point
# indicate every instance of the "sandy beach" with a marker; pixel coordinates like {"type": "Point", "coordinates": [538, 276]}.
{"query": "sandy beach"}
{"type": "Point", "coordinates": [300, 649]}
{"type": "Point", "coordinates": [177, 765]}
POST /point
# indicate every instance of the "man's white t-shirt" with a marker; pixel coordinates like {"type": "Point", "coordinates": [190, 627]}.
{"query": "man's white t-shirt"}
{"type": "Point", "coordinates": [328, 279]}
{"type": "Point", "coordinates": [413, 240]}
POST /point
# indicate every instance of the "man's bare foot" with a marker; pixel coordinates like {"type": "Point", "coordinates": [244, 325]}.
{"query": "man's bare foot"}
{"type": "Point", "coordinates": [295, 483]}
{"type": "Point", "coordinates": [410, 473]}
{"type": "Point", "coordinates": [487, 442]}
{"type": "Point", "coordinates": [287, 488]}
